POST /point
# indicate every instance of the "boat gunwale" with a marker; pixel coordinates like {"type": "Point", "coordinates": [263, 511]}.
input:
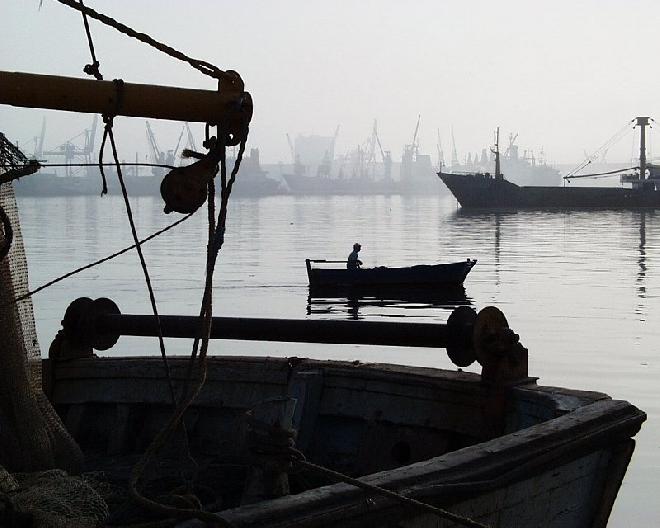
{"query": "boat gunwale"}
{"type": "Point", "coordinates": [569, 437]}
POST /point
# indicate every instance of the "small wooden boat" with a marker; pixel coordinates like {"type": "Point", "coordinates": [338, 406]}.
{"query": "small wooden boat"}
{"type": "Point", "coordinates": [421, 275]}
{"type": "Point", "coordinates": [495, 449]}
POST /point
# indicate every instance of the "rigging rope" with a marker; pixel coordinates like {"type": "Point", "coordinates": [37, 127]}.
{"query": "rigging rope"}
{"type": "Point", "coordinates": [618, 136]}
{"type": "Point", "coordinates": [204, 67]}
{"type": "Point", "coordinates": [597, 174]}
{"type": "Point", "coordinates": [93, 68]}
{"type": "Point", "coordinates": [143, 263]}
{"type": "Point", "coordinates": [206, 318]}
{"type": "Point", "coordinates": [215, 242]}
{"type": "Point", "coordinates": [25, 170]}
{"type": "Point", "coordinates": [101, 261]}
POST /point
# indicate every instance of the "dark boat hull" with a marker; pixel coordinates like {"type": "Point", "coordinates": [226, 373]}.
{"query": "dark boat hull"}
{"type": "Point", "coordinates": [484, 191]}
{"type": "Point", "coordinates": [423, 275]}
{"type": "Point", "coordinates": [550, 458]}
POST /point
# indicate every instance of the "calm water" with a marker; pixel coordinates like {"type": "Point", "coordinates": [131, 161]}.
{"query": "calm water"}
{"type": "Point", "coordinates": [580, 288]}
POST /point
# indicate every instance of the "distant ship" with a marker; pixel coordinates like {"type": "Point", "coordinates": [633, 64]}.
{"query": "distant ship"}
{"type": "Point", "coordinates": [526, 169]}
{"type": "Point", "coordinates": [357, 172]}
{"type": "Point", "coordinates": [252, 180]}
{"type": "Point", "coordinates": [368, 169]}
{"type": "Point", "coordinates": [485, 190]}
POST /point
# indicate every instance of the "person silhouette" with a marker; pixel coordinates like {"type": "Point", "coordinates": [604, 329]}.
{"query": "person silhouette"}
{"type": "Point", "coordinates": [354, 262]}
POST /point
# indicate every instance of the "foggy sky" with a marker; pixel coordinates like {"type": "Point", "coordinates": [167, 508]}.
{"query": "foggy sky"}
{"type": "Point", "coordinates": [565, 75]}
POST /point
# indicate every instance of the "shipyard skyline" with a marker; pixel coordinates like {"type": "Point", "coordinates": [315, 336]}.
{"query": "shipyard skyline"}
{"type": "Point", "coordinates": [530, 69]}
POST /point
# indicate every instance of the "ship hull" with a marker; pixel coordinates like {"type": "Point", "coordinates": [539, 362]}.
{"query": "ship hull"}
{"type": "Point", "coordinates": [484, 191]}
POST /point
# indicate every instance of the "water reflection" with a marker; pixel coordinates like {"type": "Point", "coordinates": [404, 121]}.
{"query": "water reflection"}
{"type": "Point", "coordinates": [356, 303]}
{"type": "Point", "coordinates": [641, 263]}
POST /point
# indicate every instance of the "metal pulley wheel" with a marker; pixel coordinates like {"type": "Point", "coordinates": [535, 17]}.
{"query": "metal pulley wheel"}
{"type": "Point", "coordinates": [79, 323]}
{"type": "Point", "coordinates": [460, 348]}
{"type": "Point", "coordinates": [492, 337]}
{"type": "Point", "coordinates": [103, 340]}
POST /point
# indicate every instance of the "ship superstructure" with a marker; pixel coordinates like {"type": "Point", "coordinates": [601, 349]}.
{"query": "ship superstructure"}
{"type": "Point", "coordinates": [640, 187]}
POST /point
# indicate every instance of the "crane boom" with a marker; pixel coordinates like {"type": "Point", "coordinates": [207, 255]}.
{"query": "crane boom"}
{"type": "Point", "coordinates": [191, 138]}
{"type": "Point", "coordinates": [293, 151]}
{"type": "Point", "coordinates": [158, 155]}
{"type": "Point", "coordinates": [414, 141]}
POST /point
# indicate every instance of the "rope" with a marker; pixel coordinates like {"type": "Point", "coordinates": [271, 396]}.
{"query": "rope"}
{"type": "Point", "coordinates": [204, 67]}
{"type": "Point", "coordinates": [107, 130]}
{"type": "Point", "coordinates": [618, 136]}
{"type": "Point", "coordinates": [101, 261]}
{"type": "Point", "coordinates": [216, 231]}
{"type": "Point", "coordinates": [213, 249]}
{"type": "Point", "coordinates": [93, 68]}
{"type": "Point", "coordinates": [123, 164]}
{"type": "Point", "coordinates": [459, 519]}
{"type": "Point", "coordinates": [129, 213]}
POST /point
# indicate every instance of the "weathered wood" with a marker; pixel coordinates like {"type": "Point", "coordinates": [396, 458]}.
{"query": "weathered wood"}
{"type": "Point", "coordinates": [103, 97]}
{"type": "Point", "coordinates": [560, 459]}
{"type": "Point", "coordinates": [306, 387]}
{"type": "Point", "coordinates": [554, 468]}
{"type": "Point", "coordinates": [267, 480]}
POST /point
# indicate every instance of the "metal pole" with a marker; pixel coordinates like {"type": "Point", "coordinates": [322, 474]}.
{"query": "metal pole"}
{"type": "Point", "coordinates": [642, 122]}
{"type": "Point", "coordinates": [288, 330]}
{"type": "Point", "coordinates": [30, 90]}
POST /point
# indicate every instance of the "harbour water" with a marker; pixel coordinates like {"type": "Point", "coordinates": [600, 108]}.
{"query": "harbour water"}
{"type": "Point", "coordinates": [580, 287]}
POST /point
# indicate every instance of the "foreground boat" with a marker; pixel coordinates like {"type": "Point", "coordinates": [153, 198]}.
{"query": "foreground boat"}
{"type": "Point", "coordinates": [484, 190]}
{"type": "Point", "coordinates": [496, 448]}
{"type": "Point", "coordinates": [421, 275]}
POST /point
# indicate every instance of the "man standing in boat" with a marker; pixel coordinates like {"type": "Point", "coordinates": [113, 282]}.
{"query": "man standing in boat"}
{"type": "Point", "coordinates": [354, 262]}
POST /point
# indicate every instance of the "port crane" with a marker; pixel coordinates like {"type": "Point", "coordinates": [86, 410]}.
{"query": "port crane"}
{"type": "Point", "coordinates": [69, 149]}
{"type": "Point", "coordinates": [441, 156]}
{"type": "Point", "coordinates": [454, 154]}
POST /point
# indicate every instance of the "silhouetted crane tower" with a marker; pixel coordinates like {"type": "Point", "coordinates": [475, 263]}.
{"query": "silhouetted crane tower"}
{"type": "Point", "coordinates": [69, 149]}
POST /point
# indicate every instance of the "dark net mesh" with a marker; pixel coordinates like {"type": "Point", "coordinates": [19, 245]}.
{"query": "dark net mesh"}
{"type": "Point", "coordinates": [32, 436]}
{"type": "Point", "coordinates": [18, 275]}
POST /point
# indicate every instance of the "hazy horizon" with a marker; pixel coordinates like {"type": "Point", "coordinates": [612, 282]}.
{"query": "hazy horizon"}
{"type": "Point", "coordinates": [565, 76]}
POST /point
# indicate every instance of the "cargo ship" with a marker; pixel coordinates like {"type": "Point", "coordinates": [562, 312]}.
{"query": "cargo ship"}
{"type": "Point", "coordinates": [521, 166]}
{"type": "Point", "coordinates": [639, 188]}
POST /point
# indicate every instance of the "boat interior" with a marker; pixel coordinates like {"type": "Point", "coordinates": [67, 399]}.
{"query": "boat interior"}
{"type": "Point", "coordinates": [358, 419]}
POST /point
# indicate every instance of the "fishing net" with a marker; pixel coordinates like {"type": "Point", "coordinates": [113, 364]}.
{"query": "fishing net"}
{"type": "Point", "coordinates": [31, 434]}
{"type": "Point", "coordinates": [18, 277]}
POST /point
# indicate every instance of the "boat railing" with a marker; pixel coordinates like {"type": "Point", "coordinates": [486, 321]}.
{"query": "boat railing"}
{"type": "Point", "coordinates": [467, 336]}
{"type": "Point", "coordinates": [326, 261]}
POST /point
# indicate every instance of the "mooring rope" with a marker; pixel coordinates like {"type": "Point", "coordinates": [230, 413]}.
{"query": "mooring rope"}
{"type": "Point", "coordinates": [409, 501]}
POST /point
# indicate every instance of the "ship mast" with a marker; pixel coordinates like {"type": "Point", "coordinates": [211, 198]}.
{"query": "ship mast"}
{"type": "Point", "coordinates": [642, 122]}
{"type": "Point", "coordinates": [496, 151]}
